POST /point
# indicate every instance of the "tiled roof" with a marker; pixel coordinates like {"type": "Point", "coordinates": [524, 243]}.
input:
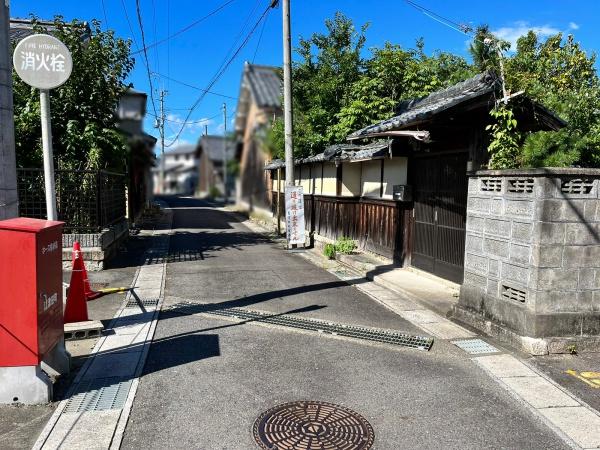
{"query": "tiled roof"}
{"type": "Point", "coordinates": [265, 85]}
{"type": "Point", "coordinates": [417, 110]}
{"type": "Point", "coordinates": [215, 147]}
{"type": "Point", "coordinates": [340, 152]}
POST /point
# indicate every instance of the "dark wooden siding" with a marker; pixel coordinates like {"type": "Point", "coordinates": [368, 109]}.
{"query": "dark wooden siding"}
{"type": "Point", "coordinates": [379, 226]}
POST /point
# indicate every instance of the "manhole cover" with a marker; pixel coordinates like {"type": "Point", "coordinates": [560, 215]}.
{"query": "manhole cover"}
{"type": "Point", "coordinates": [312, 426]}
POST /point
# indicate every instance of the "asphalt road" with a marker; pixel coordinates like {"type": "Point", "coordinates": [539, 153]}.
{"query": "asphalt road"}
{"type": "Point", "coordinates": [207, 379]}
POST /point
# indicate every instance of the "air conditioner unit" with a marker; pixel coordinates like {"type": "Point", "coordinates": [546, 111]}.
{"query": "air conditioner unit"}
{"type": "Point", "coordinates": [402, 192]}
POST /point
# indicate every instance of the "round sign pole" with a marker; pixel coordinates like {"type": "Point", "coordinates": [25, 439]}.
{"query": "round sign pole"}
{"type": "Point", "coordinates": [48, 154]}
{"type": "Point", "coordinates": [44, 62]}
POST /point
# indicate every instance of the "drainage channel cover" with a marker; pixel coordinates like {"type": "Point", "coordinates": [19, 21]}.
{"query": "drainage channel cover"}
{"type": "Point", "coordinates": [475, 346]}
{"type": "Point", "coordinates": [99, 394]}
{"type": "Point", "coordinates": [132, 302]}
{"type": "Point", "coordinates": [352, 331]}
{"type": "Point", "coordinates": [312, 425]}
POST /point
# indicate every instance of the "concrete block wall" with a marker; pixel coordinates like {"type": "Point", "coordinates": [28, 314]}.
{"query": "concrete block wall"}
{"type": "Point", "coordinates": [532, 253]}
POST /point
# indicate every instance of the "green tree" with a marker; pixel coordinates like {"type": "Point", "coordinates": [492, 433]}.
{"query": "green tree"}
{"type": "Point", "coordinates": [83, 109]}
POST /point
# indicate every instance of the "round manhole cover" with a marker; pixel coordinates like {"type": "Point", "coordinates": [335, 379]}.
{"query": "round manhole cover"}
{"type": "Point", "coordinates": [312, 426]}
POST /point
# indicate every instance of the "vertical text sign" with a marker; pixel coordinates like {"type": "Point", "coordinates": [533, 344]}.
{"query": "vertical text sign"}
{"type": "Point", "coordinates": [294, 214]}
{"type": "Point", "coordinates": [42, 61]}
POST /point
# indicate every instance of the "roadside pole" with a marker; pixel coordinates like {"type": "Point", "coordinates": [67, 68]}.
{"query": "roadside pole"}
{"type": "Point", "coordinates": [161, 176]}
{"type": "Point", "coordinates": [45, 63]}
{"type": "Point", "coordinates": [48, 154]}
{"type": "Point", "coordinates": [225, 188]}
{"type": "Point", "coordinates": [287, 95]}
{"type": "Point", "coordinates": [8, 171]}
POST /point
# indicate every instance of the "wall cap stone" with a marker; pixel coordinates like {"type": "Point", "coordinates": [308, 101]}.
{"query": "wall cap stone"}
{"type": "Point", "coordinates": [538, 172]}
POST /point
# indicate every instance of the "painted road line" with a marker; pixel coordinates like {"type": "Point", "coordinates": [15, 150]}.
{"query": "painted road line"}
{"type": "Point", "coordinates": [592, 379]}
{"type": "Point", "coordinates": [568, 416]}
{"type": "Point", "coordinates": [120, 356]}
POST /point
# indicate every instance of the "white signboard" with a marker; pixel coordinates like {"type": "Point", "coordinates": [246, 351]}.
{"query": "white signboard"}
{"type": "Point", "coordinates": [294, 214]}
{"type": "Point", "coordinates": [42, 61]}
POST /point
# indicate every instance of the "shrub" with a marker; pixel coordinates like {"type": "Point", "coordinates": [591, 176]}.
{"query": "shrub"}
{"type": "Point", "coordinates": [329, 251]}
{"type": "Point", "coordinates": [214, 192]}
{"type": "Point", "coordinates": [345, 245]}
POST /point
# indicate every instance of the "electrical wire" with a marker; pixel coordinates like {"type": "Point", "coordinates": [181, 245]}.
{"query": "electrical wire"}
{"type": "Point", "coordinates": [141, 25]}
{"type": "Point", "coordinates": [104, 12]}
{"type": "Point", "coordinates": [262, 29]}
{"type": "Point", "coordinates": [186, 28]}
{"type": "Point", "coordinates": [220, 72]}
{"type": "Point", "coordinates": [183, 83]}
{"type": "Point", "coordinates": [460, 27]}
{"type": "Point", "coordinates": [192, 122]}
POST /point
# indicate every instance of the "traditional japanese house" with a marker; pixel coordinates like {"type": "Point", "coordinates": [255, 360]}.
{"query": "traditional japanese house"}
{"type": "Point", "coordinates": [211, 153]}
{"type": "Point", "coordinates": [405, 197]}
{"type": "Point", "coordinates": [259, 104]}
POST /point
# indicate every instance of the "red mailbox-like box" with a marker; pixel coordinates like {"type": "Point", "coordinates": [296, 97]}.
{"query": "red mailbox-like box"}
{"type": "Point", "coordinates": [31, 303]}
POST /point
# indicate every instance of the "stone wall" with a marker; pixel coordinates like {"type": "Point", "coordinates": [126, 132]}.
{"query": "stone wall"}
{"type": "Point", "coordinates": [532, 253]}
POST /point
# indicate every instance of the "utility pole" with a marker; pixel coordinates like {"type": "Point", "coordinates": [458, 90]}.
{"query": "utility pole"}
{"type": "Point", "coordinates": [161, 124]}
{"type": "Point", "coordinates": [8, 171]}
{"type": "Point", "coordinates": [287, 95]}
{"type": "Point", "coordinates": [225, 188]}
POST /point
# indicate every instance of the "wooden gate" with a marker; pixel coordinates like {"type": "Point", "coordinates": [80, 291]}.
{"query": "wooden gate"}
{"type": "Point", "coordinates": [440, 197]}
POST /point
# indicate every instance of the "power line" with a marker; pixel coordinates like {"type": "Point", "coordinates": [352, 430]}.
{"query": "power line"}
{"type": "Point", "coordinates": [104, 12]}
{"type": "Point", "coordinates": [141, 24]}
{"type": "Point", "coordinates": [183, 83]}
{"type": "Point", "coordinates": [186, 28]}
{"type": "Point", "coordinates": [221, 71]}
{"type": "Point", "coordinates": [460, 27]}
{"type": "Point", "coordinates": [188, 122]}
{"type": "Point", "coordinates": [262, 29]}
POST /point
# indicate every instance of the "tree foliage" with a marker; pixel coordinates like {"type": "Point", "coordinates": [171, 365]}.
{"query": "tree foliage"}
{"type": "Point", "coordinates": [83, 109]}
{"type": "Point", "coordinates": [559, 74]}
{"type": "Point", "coordinates": [337, 90]}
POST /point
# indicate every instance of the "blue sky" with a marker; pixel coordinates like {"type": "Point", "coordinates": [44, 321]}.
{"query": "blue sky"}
{"type": "Point", "coordinates": [194, 56]}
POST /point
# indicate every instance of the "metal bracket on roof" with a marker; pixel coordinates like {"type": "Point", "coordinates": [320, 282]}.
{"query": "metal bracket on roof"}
{"type": "Point", "coordinates": [423, 136]}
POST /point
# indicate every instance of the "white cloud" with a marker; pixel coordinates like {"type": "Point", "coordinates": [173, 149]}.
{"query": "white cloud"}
{"type": "Point", "coordinates": [521, 28]}
{"type": "Point", "coordinates": [573, 26]}
{"type": "Point", "coordinates": [191, 125]}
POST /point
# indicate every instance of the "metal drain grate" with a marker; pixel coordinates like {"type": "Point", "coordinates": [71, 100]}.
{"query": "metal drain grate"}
{"type": "Point", "coordinates": [132, 303]}
{"type": "Point", "coordinates": [475, 346]}
{"type": "Point", "coordinates": [352, 331]}
{"type": "Point", "coordinates": [99, 394]}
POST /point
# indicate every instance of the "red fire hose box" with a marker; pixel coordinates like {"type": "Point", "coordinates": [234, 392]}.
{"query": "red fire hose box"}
{"type": "Point", "coordinates": [31, 304]}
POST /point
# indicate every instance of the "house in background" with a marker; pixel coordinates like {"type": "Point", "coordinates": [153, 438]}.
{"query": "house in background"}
{"type": "Point", "coordinates": [258, 105]}
{"type": "Point", "coordinates": [181, 171]}
{"type": "Point", "coordinates": [211, 153]}
{"type": "Point", "coordinates": [131, 112]}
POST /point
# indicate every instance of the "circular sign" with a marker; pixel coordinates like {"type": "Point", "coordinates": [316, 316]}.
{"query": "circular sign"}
{"type": "Point", "coordinates": [42, 61]}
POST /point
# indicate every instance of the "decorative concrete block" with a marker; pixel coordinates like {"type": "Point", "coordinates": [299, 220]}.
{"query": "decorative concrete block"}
{"type": "Point", "coordinates": [492, 287]}
{"type": "Point", "coordinates": [495, 247]}
{"type": "Point", "coordinates": [589, 279]}
{"type": "Point", "coordinates": [479, 204]}
{"type": "Point", "coordinates": [521, 231]}
{"type": "Point", "coordinates": [550, 279]}
{"type": "Point", "coordinates": [583, 233]}
{"type": "Point", "coordinates": [581, 256]}
{"type": "Point", "coordinates": [547, 256]}
{"type": "Point", "coordinates": [475, 224]}
{"type": "Point", "coordinates": [549, 233]}
{"type": "Point", "coordinates": [496, 207]}
{"type": "Point", "coordinates": [497, 227]}
{"type": "Point", "coordinates": [515, 273]}
{"type": "Point", "coordinates": [474, 243]}
{"type": "Point", "coordinates": [522, 208]}
{"type": "Point", "coordinates": [474, 279]}
{"type": "Point", "coordinates": [549, 210]}
{"type": "Point", "coordinates": [520, 254]}
{"type": "Point", "coordinates": [476, 263]}
{"type": "Point", "coordinates": [494, 268]}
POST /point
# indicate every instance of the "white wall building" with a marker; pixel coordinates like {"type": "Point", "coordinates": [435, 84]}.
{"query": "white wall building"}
{"type": "Point", "coordinates": [181, 171]}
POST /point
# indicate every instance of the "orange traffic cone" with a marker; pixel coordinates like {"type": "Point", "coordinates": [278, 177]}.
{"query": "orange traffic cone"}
{"type": "Point", "coordinates": [76, 307]}
{"type": "Point", "coordinates": [89, 293]}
